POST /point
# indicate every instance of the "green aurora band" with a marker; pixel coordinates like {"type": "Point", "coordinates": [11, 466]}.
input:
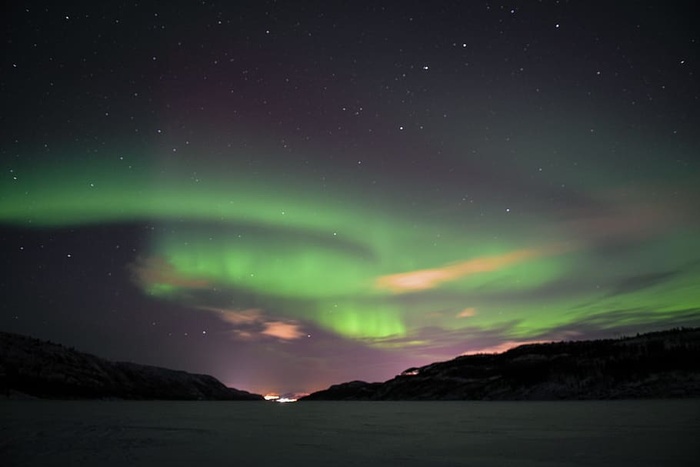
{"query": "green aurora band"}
{"type": "Point", "coordinates": [350, 263]}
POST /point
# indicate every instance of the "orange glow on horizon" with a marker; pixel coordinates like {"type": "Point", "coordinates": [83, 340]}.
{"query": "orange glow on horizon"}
{"type": "Point", "coordinates": [505, 346]}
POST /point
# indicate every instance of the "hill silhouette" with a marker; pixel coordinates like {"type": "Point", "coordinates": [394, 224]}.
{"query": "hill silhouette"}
{"type": "Point", "coordinates": [662, 364]}
{"type": "Point", "coordinates": [36, 368]}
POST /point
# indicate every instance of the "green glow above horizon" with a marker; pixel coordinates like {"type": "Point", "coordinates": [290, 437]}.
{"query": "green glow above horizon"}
{"type": "Point", "coordinates": [361, 321]}
{"type": "Point", "coordinates": [348, 262]}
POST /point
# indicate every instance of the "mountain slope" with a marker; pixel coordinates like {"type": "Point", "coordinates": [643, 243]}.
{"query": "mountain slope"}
{"type": "Point", "coordinates": [47, 370]}
{"type": "Point", "coordinates": [655, 365]}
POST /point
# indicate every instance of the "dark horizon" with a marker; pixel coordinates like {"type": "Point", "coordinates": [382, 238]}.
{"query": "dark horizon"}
{"type": "Point", "coordinates": [290, 195]}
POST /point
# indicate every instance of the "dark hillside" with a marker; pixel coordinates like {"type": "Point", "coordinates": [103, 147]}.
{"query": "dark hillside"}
{"type": "Point", "coordinates": [655, 365]}
{"type": "Point", "coordinates": [43, 369]}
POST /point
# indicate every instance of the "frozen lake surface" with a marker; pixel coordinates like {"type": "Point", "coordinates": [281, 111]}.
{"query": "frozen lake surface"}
{"type": "Point", "coordinates": [120, 433]}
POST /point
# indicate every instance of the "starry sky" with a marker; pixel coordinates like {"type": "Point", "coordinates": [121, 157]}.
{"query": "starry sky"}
{"type": "Point", "coordinates": [292, 194]}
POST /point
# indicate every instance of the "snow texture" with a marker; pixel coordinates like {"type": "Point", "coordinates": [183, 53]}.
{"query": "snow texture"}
{"type": "Point", "coordinates": [477, 434]}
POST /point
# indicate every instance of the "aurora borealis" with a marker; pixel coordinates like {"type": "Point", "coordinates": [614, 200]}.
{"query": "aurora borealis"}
{"type": "Point", "coordinates": [288, 196]}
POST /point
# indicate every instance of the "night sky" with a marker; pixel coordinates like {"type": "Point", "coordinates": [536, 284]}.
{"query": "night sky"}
{"type": "Point", "coordinates": [288, 195]}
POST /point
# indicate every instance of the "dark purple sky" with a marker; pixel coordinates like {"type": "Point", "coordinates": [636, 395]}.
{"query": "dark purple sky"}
{"type": "Point", "coordinates": [288, 195]}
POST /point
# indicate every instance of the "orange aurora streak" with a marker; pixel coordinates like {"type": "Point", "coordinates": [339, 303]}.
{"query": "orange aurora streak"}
{"type": "Point", "coordinates": [156, 270]}
{"type": "Point", "coordinates": [253, 324]}
{"type": "Point", "coordinates": [425, 279]}
{"type": "Point", "coordinates": [282, 330]}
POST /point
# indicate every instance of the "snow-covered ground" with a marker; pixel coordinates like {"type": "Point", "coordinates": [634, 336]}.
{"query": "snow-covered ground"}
{"type": "Point", "coordinates": [117, 433]}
